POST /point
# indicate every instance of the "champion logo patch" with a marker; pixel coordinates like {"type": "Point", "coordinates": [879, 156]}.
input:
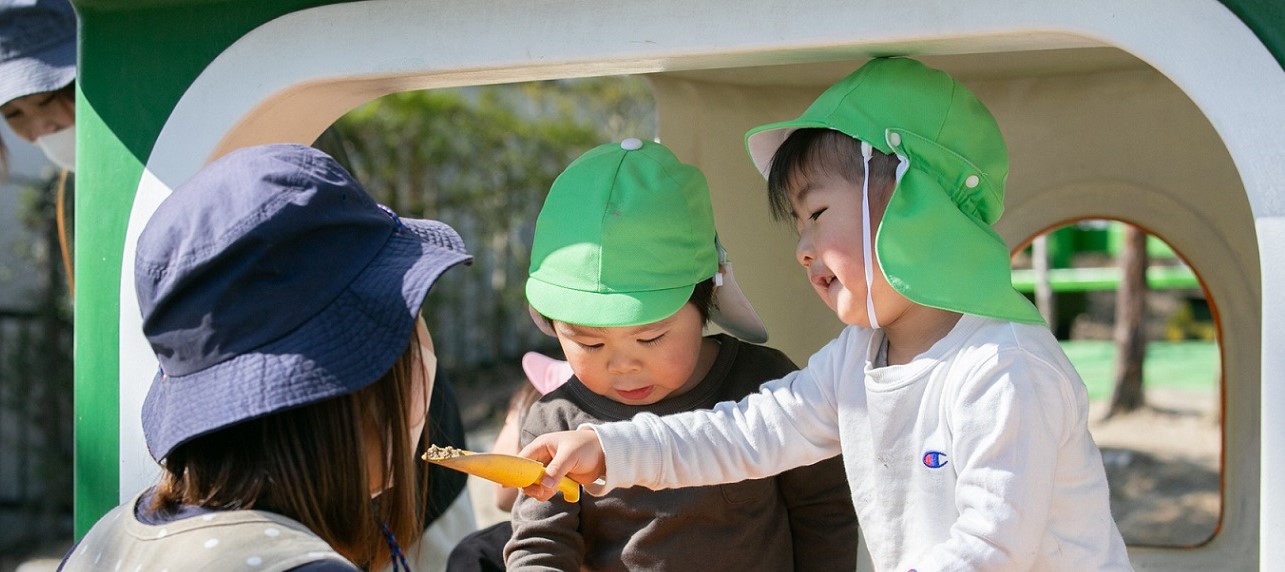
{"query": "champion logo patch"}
{"type": "Point", "coordinates": [934, 459]}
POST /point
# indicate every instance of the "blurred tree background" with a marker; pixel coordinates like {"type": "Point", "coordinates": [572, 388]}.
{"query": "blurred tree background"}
{"type": "Point", "coordinates": [35, 376]}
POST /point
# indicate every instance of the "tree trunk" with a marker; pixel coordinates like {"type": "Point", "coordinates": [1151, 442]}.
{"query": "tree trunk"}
{"type": "Point", "coordinates": [1044, 299]}
{"type": "Point", "coordinates": [1130, 319]}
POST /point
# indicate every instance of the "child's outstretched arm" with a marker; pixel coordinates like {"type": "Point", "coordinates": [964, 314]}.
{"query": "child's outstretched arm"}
{"type": "Point", "coordinates": [788, 423]}
{"type": "Point", "coordinates": [575, 454]}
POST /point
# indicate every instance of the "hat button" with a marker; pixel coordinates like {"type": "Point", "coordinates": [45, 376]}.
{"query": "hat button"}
{"type": "Point", "coordinates": [894, 139]}
{"type": "Point", "coordinates": [631, 144]}
{"type": "Point", "coordinates": [972, 181]}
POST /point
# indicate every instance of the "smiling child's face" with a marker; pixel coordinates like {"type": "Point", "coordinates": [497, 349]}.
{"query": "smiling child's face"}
{"type": "Point", "coordinates": [827, 217]}
{"type": "Point", "coordinates": [637, 365]}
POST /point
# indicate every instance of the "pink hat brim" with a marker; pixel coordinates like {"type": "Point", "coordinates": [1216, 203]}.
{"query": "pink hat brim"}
{"type": "Point", "coordinates": [544, 372]}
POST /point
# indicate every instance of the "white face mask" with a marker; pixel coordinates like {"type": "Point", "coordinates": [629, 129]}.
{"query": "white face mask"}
{"type": "Point", "coordinates": [60, 147]}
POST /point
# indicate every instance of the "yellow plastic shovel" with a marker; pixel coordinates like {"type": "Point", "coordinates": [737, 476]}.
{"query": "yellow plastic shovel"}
{"type": "Point", "coordinates": [508, 470]}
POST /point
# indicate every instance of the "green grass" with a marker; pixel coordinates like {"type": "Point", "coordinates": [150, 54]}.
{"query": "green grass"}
{"type": "Point", "coordinates": [1177, 365]}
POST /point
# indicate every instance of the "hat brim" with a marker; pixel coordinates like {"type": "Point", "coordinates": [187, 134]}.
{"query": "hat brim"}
{"type": "Point", "coordinates": [921, 228]}
{"type": "Point", "coordinates": [545, 373]}
{"type": "Point", "coordinates": [48, 70]}
{"type": "Point", "coordinates": [763, 141]}
{"type": "Point", "coordinates": [732, 310]}
{"type": "Point", "coordinates": [605, 310]}
{"type": "Point", "coordinates": [361, 336]}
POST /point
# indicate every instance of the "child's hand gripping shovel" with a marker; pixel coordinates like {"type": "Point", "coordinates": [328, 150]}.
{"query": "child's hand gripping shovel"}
{"type": "Point", "coordinates": [508, 470]}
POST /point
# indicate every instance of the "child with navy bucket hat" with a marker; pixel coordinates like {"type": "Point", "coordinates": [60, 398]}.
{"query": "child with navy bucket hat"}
{"type": "Point", "coordinates": [962, 423]}
{"type": "Point", "coordinates": [283, 305]}
{"type": "Point", "coordinates": [37, 75]}
{"type": "Point", "coordinates": [626, 272]}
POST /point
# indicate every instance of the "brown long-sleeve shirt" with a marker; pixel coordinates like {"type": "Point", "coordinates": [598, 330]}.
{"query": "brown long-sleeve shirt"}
{"type": "Point", "coordinates": [801, 519]}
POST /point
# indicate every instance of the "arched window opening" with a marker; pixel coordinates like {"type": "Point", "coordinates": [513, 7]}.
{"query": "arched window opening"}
{"type": "Point", "coordinates": [1148, 352]}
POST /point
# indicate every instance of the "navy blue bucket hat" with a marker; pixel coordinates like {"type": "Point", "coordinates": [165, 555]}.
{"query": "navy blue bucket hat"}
{"type": "Point", "coordinates": [271, 280]}
{"type": "Point", "coordinates": [37, 47]}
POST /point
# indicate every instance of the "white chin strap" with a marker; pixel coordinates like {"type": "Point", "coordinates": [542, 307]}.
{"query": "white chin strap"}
{"type": "Point", "coordinates": [866, 243]}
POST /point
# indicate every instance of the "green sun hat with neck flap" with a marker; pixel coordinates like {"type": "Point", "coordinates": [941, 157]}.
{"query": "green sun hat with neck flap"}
{"type": "Point", "coordinates": [936, 245]}
{"type": "Point", "coordinates": [624, 236]}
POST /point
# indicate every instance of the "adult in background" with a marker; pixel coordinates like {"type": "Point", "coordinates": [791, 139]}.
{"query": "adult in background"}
{"type": "Point", "coordinates": [38, 74]}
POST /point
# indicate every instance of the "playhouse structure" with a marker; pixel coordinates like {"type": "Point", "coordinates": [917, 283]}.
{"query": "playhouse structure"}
{"type": "Point", "coordinates": [1166, 114]}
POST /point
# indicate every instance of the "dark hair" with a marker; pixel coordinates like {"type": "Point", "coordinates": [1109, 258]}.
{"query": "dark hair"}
{"type": "Point", "coordinates": [702, 297]}
{"type": "Point", "coordinates": [814, 152]}
{"type": "Point", "coordinates": [309, 464]}
{"type": "Point", "coordinates": [67, 92]}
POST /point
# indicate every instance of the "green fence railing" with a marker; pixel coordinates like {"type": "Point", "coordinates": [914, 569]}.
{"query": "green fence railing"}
{"type": "Point", "coordinates": [1105, 278]}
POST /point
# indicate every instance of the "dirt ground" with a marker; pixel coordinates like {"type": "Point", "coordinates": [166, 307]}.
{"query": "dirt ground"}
{"type": "Point", "coordinates": [1163, 466]}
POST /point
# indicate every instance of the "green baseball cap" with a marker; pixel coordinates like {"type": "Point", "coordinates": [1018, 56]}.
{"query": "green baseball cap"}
{"type": "Point", "coordinates": [626, 233]}
{"type": "Point", "coordinates": [936, 245]}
